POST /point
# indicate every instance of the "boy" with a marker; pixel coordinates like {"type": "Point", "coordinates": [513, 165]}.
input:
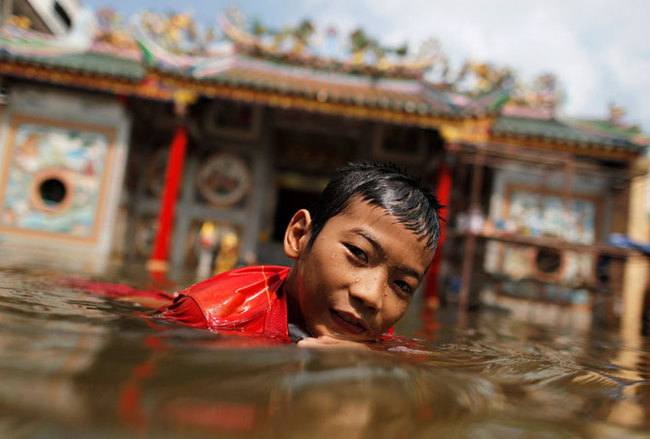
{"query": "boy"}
{"type": "Point", "coordinates": [359, 257]}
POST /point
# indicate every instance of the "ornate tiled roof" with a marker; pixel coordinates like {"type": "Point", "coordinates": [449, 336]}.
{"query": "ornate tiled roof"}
{"type": "Point", "coordinates": [566, 132]}
{"type": "Point", "coordinates": [171, 46]}
{"type": "Point", "coordinates": [151, 60]}
{"type": "Point", "coordinates": [391, 94]}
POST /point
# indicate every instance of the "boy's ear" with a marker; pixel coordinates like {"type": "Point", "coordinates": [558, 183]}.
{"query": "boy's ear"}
{"type": "Point", "coordinates": [297, 234]}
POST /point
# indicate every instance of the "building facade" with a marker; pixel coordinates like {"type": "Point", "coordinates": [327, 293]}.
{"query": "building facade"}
{"type": "Point", "coordinates": [125, 144]}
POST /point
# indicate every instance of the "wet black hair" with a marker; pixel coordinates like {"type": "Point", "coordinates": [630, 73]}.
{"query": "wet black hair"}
{"type": "Point", "coordinates": [385, 185]}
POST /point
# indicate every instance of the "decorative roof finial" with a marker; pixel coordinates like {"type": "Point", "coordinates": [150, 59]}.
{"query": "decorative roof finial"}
{"type": "Point", "coordinates": [616, 113]}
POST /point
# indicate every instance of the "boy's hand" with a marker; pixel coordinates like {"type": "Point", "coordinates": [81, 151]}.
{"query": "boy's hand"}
{"type": "Point", "coordinates": [332, 343]}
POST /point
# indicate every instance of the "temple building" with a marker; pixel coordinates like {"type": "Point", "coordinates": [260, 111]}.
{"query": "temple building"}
{"type": "Point", "coordinates": [157, 143]}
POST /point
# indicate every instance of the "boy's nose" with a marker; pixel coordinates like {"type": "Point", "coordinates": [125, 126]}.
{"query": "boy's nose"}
{"type": "Point", "coordinates": [368, 290]}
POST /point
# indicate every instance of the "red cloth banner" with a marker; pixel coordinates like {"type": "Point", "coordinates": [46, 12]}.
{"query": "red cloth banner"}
{"type": "Point", "coordinates": [173, 175]}
{"type": "Point", "coordinates": [443, 193]}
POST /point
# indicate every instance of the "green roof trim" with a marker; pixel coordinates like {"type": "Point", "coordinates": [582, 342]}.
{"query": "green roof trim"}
{"type": "Point", "coordinates": [89, 62]}
{"type": "Point", "coordinates": [393, 100]}
{"type": "Point", "coordinates": [554, 129]}
{"type": "Point", "coordinates": [606, 127]}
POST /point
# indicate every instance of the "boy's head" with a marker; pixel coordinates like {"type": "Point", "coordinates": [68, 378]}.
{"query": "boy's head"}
{"type": "Point", "coordinates": [361, 253]}
{"type": "Point", "coordinates": [385, 186]}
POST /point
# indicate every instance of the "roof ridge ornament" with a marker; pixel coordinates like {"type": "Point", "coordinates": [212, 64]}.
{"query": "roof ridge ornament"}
{"type": "Point", "coordinates": [537, 100]}
{"type": "Point", "coordinates": [177, 42]}
{"type": "Point", "coordinates": [303, 45]}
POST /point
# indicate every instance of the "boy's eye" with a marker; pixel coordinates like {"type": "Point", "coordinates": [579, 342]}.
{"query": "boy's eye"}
{"type": "Point", "coordinates": [357, 253]}
{"type": "Point", "coordinates": [404, 287]}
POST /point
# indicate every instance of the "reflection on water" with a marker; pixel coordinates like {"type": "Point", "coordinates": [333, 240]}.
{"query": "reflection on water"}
{"type": "Point", "coordinates": [74, 364]}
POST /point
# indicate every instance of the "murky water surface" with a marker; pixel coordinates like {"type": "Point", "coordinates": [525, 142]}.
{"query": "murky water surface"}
{"type": "Point", "coordinates": [73, 364]}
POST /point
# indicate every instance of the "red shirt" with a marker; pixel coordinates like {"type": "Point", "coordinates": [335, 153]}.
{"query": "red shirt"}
{"type": "Point", "coordinates": [248, 299]}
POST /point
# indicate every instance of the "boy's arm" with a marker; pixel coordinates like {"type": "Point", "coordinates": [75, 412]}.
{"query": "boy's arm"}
{"type": "Point", "coordinates": [332, 343]}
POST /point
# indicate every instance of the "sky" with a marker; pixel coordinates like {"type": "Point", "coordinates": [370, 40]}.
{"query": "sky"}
{"type": "Point", "coordinates": [598, 49]}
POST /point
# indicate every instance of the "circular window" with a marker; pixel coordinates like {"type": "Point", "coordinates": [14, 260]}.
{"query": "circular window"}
{"type": "Point", "coordinates": [223, 180]}
{"type": "Point", "coordinates": [51, 190]}
{"type": "Point", "coordinates": [548, 263]}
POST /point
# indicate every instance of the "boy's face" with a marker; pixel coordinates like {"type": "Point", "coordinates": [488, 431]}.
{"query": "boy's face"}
{"type": "Point", "coordinates": [360, 274]}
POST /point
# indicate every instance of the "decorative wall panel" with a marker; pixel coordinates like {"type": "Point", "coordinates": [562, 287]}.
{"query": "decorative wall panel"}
{"type": "Point", "coordinates": [54, 179]}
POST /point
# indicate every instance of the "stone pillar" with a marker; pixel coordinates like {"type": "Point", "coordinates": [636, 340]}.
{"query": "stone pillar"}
{"type": "Point", "coordinates": [636, 267]}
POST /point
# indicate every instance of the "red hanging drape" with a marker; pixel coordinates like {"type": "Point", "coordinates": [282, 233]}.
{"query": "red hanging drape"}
{"type": "Point", "coordinates": [173, 175]}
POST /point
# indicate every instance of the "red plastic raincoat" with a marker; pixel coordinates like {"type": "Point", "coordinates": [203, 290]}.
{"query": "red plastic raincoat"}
{"type": "Point", "coordinates": [248, 300]}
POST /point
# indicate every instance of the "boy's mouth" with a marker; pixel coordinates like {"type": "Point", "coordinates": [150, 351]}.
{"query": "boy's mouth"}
{"type": "Point", "coordinates": [348, 322]}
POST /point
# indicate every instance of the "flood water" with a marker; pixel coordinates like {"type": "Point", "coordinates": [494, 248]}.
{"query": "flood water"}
{"type": "Point", "coordinates": [74, 364]}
